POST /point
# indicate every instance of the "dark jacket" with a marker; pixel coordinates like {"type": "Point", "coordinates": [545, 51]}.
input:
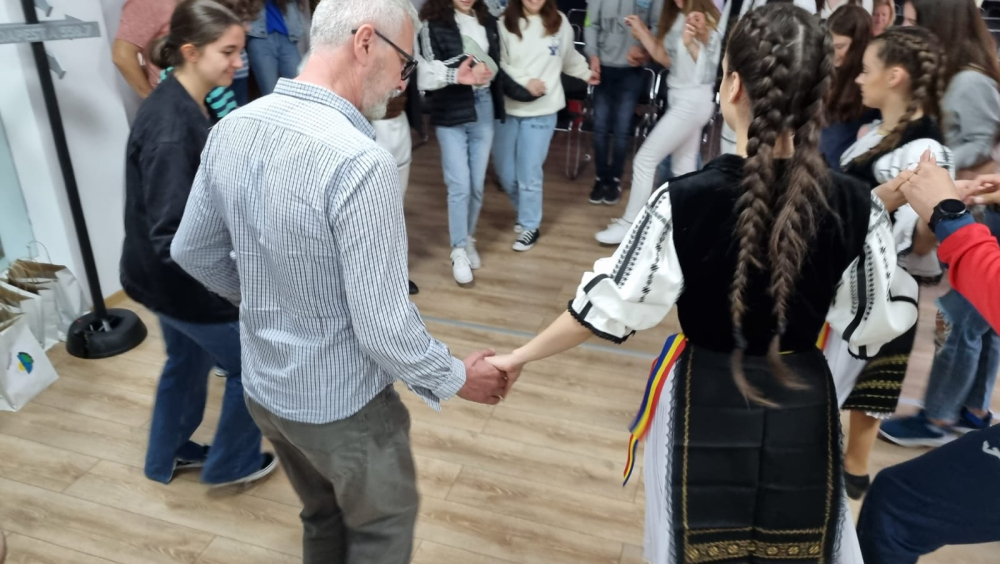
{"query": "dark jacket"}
{"type": "Point", "coordinates": [455, 104]}
{"type": "Point", "coordinates": [162, 158]}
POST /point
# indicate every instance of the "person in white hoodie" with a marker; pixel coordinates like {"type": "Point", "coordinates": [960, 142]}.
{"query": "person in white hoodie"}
{"type": "Point", "coordinates": [536, 47]}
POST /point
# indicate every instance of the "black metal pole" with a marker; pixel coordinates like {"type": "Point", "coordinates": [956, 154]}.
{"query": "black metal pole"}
{"type": "Point", "coordinates": [66, 164]}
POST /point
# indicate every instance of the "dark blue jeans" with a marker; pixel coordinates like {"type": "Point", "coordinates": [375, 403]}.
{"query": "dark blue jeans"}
{"type": "Point", "coordinates": [192, 350]}
{"type": "Point", "coordinates": [241, 89]}
{"type": "Point", "coordinates": [948, 496]}
{"type": "Point", "coordinates": [614, 108]}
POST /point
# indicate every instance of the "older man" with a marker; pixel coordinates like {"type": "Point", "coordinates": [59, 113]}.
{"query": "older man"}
{"type": "Point", "coordinates": [297, 212]}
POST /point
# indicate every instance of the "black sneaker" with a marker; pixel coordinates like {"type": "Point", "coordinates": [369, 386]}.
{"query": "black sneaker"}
{"type": "Point", "coordinates": [856, 486]}
{"type": "Point", "coordinates": [527, 240]}
{"type": "Point", "coordinates": [269, 465]}
{"type": "Point", "coordinates": [613, 192]}
{"type": "Point", "coordinates": [597, 194]}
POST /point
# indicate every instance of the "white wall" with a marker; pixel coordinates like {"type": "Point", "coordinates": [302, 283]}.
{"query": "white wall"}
{"type": "Point", "coordinates": [96, 129]}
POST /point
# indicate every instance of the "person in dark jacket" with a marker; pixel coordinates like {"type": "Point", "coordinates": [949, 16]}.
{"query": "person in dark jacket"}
{"type": "Point", "coordinates": [200, 329]}
{"type": "Point", "coordinates": [460, 45]}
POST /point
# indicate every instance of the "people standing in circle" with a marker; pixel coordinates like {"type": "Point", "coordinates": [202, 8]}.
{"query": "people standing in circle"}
{"type": "Point", "coordinates": [619, 58]}
{"type": "Point", "coordinates": [755, 251]}
{"type": "Point", "coordinates": [460, 47]}
{"type": "Point", "coordinates": [901, 75]}
{"type": "Point", "coordinates": [272, 42]}
{"type": "Point", "coordinates": [536, 47]}
{"type": "Point", "coordinates": [883, 16]}
{"type": "Point", "coordinates": [687, 42]}
{"type": "Point", "coordinates": [845, 114]}
{"type": "Point", "coordinates": [200, 329]}
{"type": "Point", "coordinates": [965, 366]}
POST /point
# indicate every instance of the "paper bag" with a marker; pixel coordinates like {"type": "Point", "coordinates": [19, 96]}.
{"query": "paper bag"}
{"type": "Point", "coordinates": [25, 371]}
{"type": "Point", "coordinates": [31, 307]}
{"type": "Point", "coordinates": [70, 300]}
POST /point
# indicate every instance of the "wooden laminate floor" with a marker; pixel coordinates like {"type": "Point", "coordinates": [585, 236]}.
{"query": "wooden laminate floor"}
{"type": "Point", "coordinates": [535, 480]}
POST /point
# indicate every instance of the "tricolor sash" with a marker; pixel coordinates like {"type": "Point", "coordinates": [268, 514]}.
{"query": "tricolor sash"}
{"type": "Point", "coordinates": [672, 350]}
{"type": "Point", "coordinates": [824, 336]}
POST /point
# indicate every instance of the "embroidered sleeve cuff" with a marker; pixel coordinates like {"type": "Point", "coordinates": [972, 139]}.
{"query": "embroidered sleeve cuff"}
{"type": "Point", "coordinates": [584, 315]}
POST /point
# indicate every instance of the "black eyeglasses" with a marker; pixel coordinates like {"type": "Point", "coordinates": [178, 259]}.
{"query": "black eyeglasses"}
{"type": "Point", "coordinates": [409, 63]}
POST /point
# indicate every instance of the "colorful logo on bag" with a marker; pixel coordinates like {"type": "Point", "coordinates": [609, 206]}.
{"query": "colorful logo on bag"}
{"type": "Point", "coordinates": [25, 363]}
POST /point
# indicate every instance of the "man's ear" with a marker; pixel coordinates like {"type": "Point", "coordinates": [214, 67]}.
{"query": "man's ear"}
{"type": "Point", "coordinates": [363, 41]}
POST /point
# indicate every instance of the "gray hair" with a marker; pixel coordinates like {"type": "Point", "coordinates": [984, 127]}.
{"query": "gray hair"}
{"type": "Point", "coordinates": [334, 19]}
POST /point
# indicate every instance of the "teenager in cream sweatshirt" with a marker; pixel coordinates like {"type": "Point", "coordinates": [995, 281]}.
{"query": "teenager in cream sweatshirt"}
{"type": "Point", "coordinates": [536, 47]}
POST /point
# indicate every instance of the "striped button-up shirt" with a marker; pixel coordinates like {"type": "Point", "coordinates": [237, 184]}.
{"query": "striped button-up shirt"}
{"type": "Point", "coordinates": [294, 188]}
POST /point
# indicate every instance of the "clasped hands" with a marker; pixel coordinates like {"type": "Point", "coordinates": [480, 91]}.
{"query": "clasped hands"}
{"type": "Point", "coordinates": [928, 184]}
{"type": "Point", "coordinates": [488, 378]}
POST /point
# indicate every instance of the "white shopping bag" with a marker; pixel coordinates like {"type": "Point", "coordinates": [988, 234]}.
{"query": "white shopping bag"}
{"type": "Point", "coordinates": [47, 295]}
{"type": "Point", "coordinates": [845, 368]}
{"type": "Point", "coordinates": [31, 307]}
{"type": "Point", "coordinates": [70, 300]}
{"type": "Point", "coordinates": [25, 371]}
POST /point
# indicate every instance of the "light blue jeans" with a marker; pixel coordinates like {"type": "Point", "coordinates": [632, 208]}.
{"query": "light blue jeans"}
{"type": "Point", "coordinates": [272, 58]}
{"type": "Point", "coordinates": [465, 154]}
{"type": "Point", "coordinates": [520, 146]}
{"type": "Point", "coordinates": [965, 369]}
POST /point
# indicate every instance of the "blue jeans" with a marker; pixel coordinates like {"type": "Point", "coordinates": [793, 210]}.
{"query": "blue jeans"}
{"type": "Point", "coordinates": [614, 108]}
{"type": "Point", "coordinates": [465, 153]}
{"type": "Point", "coordinates": [520, 146]}
{"type": "Point", "coordinates": [965, 369]}
{"type": "Point", "coordinates": [272, 58]}
{"type": "Point", "coordinates": [947, 496]}
{"type": "Point", "coordinates": [241, 89]}
{"type": "Point", "coordinates": [192, 350]}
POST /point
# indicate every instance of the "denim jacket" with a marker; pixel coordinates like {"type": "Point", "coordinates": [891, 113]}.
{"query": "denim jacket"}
{"type": "Point", "coordinates": [293, 21]}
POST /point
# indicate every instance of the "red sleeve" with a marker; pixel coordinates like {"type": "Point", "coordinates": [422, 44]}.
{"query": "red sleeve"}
{"type": "Point", "coordinates": [973, 259]}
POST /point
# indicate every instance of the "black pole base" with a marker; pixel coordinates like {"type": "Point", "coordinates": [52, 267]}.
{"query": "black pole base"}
{"type": "Point", "coordinates": [93, 336]}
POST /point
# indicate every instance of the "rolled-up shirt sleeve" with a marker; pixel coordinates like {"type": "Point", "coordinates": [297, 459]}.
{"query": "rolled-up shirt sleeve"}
{"type": "Point", "coordinates": [370, 235]}
{"type": "Point", "coordinates": [636, 287]}
{"type": "Point", "coordinates": [876, 300]}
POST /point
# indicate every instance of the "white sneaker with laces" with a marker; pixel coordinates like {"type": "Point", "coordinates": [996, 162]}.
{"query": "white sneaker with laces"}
{"type": "Point", "coordinates": [470, 250]}
{"type": "Point", "coordinates": [615, 232]}
{"type": "Point", "coordinates": [461, 269]}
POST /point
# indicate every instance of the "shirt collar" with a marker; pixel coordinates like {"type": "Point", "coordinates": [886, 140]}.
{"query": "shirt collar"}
{"type": "Point", "coordinates": [318, 94]}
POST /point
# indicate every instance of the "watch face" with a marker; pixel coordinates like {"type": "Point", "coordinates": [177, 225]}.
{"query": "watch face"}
{"type": "Point", "coordinates": [952, 206]}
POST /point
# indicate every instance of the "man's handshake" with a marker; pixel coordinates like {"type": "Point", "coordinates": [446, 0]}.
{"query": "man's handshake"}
{"type": "Point", "coordinates": [484, 383]}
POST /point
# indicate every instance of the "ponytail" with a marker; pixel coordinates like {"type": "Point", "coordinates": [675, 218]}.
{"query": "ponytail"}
{"type": "Point", "coordinates": [194, 22]}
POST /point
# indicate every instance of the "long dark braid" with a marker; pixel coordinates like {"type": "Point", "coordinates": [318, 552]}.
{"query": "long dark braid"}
{"type": "Point", "coordinates": [784, 60]}
{"type": "Point", "coordinates": [807, 186]}
{"type": "Point", "coordinates": [918, 51]}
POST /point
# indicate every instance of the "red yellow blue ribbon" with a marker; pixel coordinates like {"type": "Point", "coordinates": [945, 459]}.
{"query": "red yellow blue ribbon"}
{"type": "Point", "coordinates": [672, 350]}
{"type": "Point", "coordinates": [824, 336]}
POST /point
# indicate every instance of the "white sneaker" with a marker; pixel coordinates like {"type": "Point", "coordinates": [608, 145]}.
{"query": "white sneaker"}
{"type": "Point", "coordinates": [615, 233]}
{"type": "Point", "coordinates": [460, 266]}
{"type": "Point", "coordinates": [470, 250]}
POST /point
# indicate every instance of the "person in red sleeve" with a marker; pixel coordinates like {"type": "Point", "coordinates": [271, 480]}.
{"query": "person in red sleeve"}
{"type": "Point", "coordinates": [950, 494]}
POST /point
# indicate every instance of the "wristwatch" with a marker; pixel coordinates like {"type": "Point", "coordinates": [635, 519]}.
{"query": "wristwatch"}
{"type": "Point", "coordinates": [947, 209]}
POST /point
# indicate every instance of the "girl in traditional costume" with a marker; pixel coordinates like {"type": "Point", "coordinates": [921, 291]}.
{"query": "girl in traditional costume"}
{"type": "Point", "coordinates": [743, 460]}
